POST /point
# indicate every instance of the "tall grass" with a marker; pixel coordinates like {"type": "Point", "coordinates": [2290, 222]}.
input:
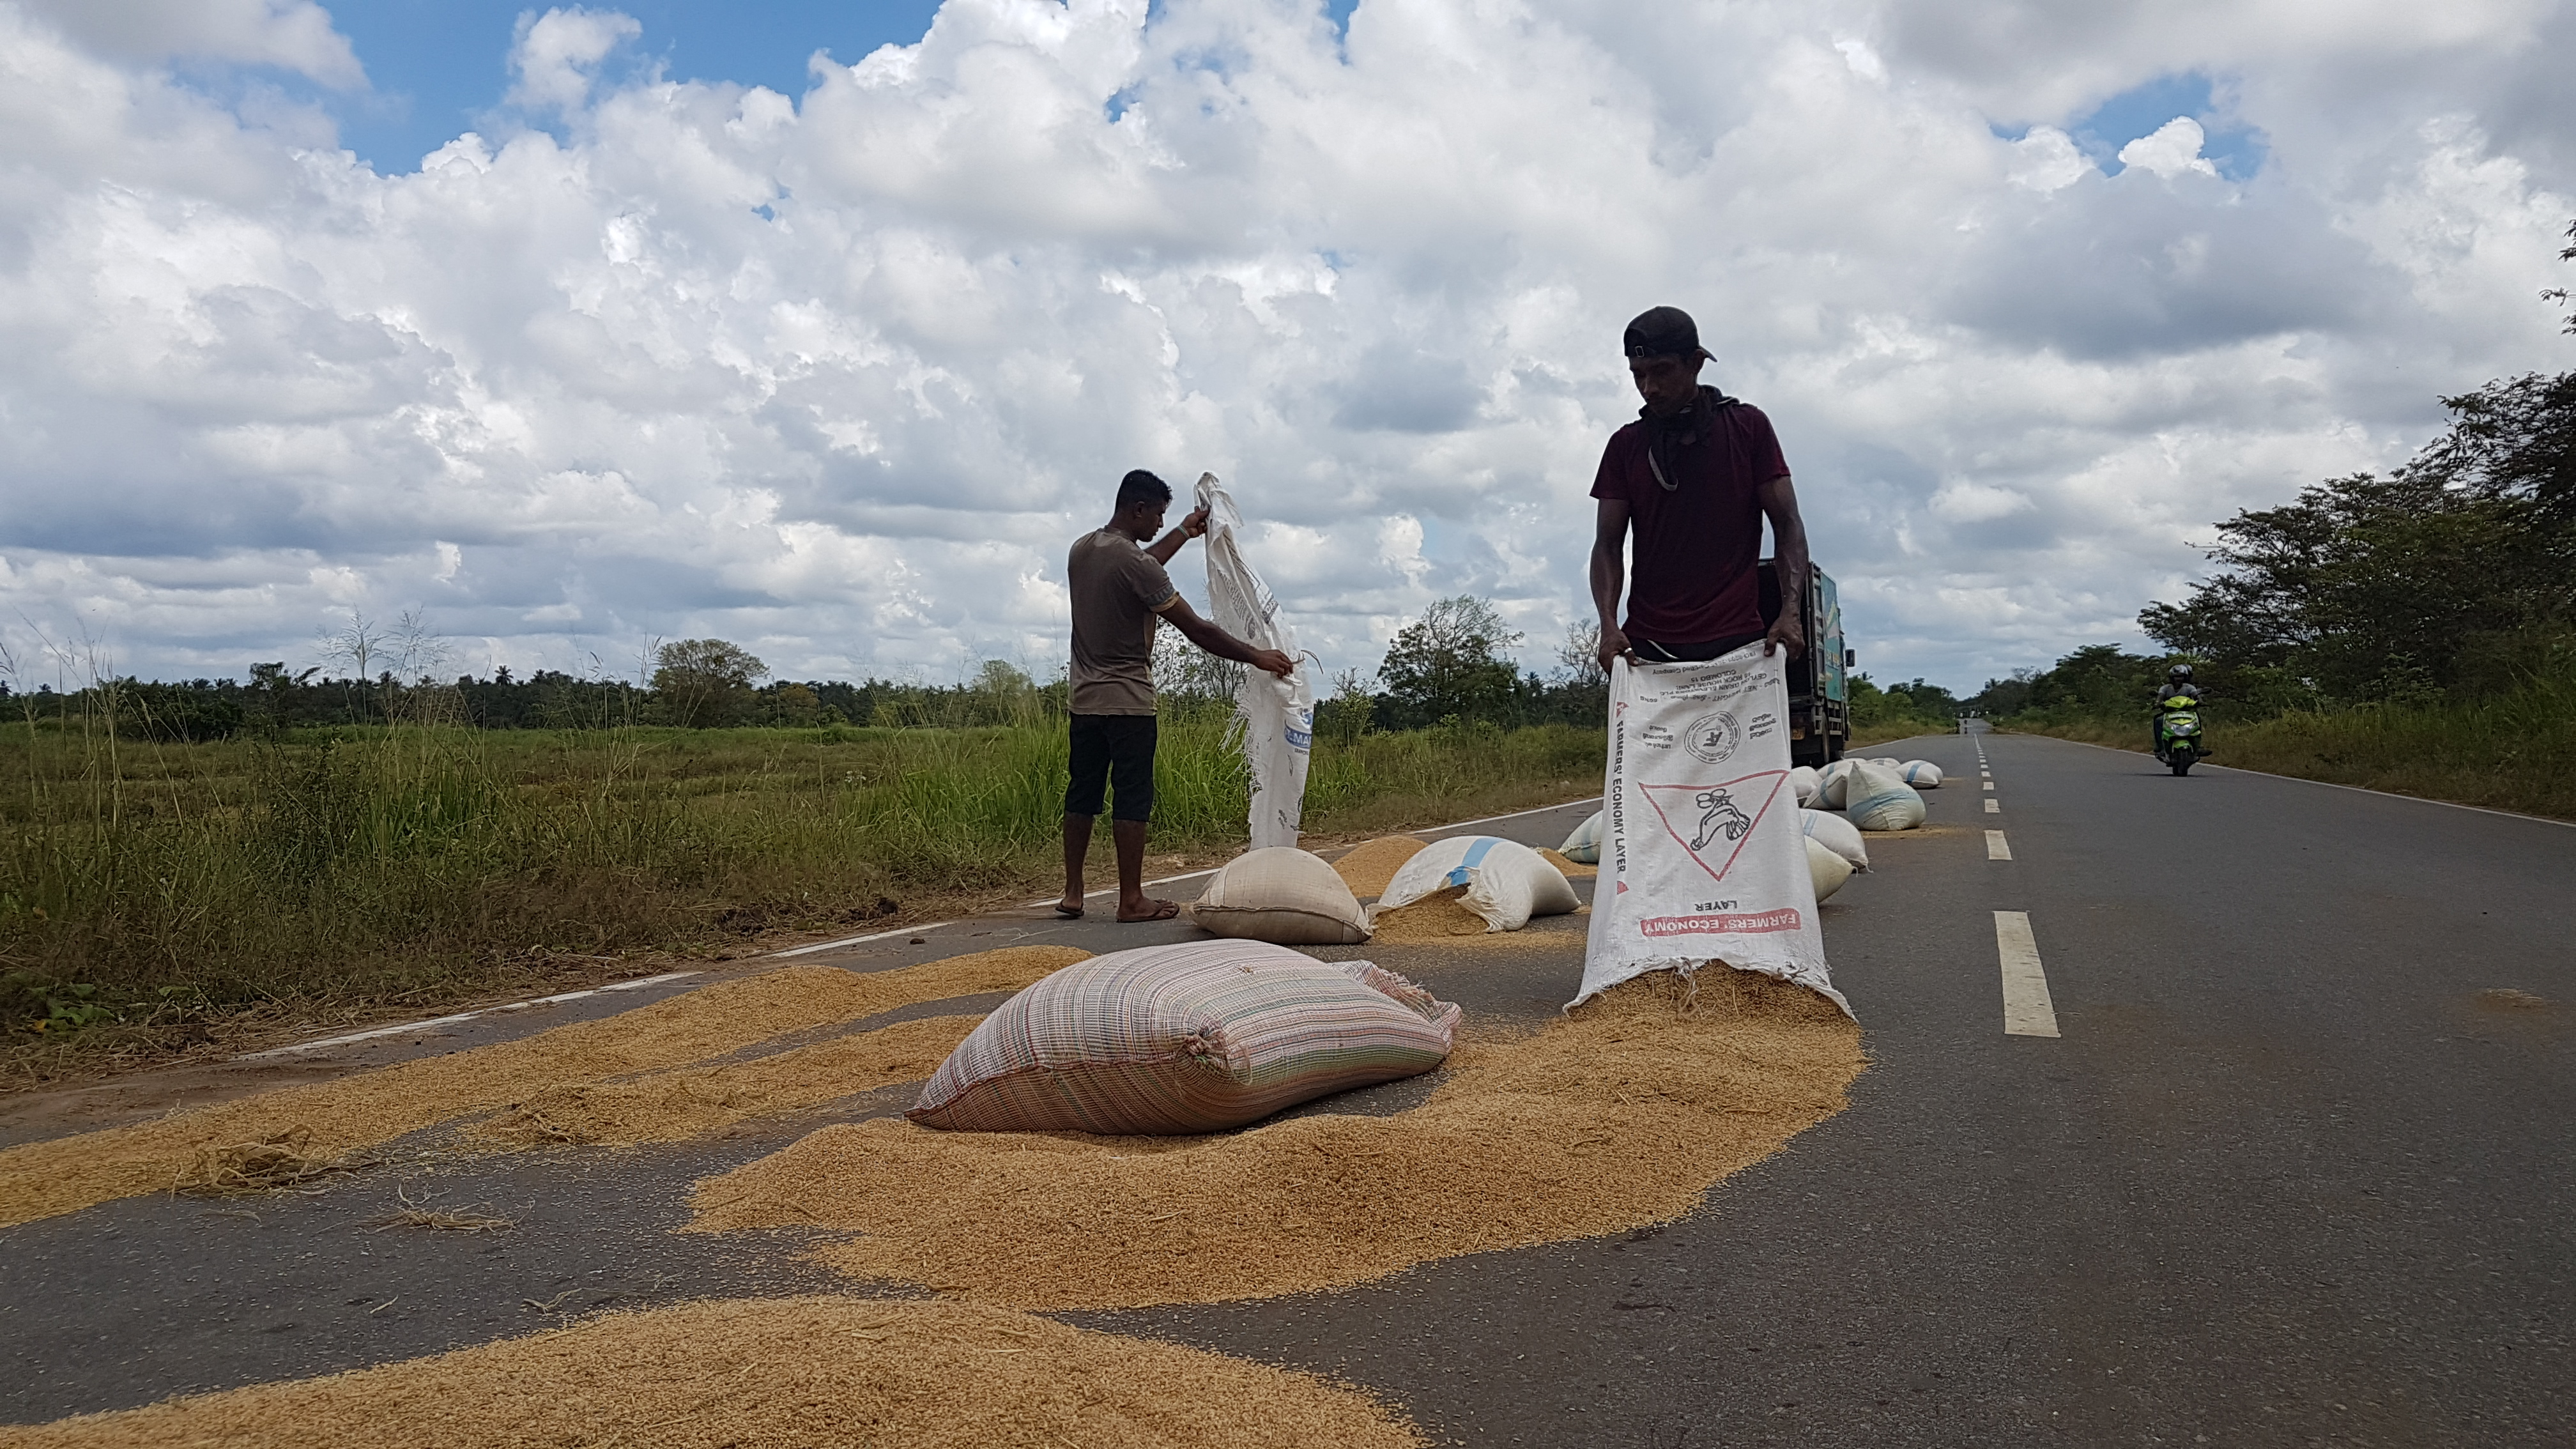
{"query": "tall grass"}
{"type": "Point", "coordinates": [2513, 750]}
{"type": "Point", "coordinates": [421, 861]}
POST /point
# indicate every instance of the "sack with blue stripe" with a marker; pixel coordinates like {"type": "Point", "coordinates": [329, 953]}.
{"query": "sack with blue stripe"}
{"type": "Point", "coordinates": [1507, 882]}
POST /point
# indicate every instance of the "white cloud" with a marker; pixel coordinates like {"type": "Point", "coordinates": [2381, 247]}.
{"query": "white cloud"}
{"type": "Point", "coordinates": [2171, 151]}
{"type": "Point", "coordinates": [556, 53]}
{"type": "Point", "coordinates": [294, 35]}
{"type": "Point", "coordinates": [841, 377]}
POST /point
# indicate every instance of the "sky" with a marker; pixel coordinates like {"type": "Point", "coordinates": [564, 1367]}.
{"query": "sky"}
{"type": "Point", "coordinates": [824, 328]}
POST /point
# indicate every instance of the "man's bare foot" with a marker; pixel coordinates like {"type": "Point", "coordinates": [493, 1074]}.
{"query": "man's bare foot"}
{"type": "Point", "coordinates": [1151, 911]}
{"type": "Point", "coordinates": [1070, 907]}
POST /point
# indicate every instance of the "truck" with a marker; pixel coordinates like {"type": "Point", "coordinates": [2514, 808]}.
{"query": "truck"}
{"type": "Point", "coordinates": [1819, 695]}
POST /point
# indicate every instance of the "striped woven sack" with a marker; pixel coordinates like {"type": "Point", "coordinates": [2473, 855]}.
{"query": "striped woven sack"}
{"type": "Point", "coordinates": [1197, 1037]}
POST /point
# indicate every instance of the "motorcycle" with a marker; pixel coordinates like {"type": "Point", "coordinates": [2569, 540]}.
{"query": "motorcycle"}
{"type": "Point", "coordinates": [2179, 741]}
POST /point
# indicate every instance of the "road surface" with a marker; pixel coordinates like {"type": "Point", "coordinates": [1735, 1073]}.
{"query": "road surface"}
{"type": "Point", "coordinates": [2294, 1168]}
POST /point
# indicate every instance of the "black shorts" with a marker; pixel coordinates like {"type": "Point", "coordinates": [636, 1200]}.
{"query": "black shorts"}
{"type": "Point", "coordinates": [1112, 749]}
{"type": "Point", "coordinates": [1654, 653]}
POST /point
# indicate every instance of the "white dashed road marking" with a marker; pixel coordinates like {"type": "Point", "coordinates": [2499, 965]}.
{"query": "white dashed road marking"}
{"type": "Point", "coordinates": [2027, 1009]}
{"type": "Point", "coordinates": [1995, 847]}
{"type": "Point", "coordinates": [1986, 785]}
{"type": "Point", "coordinates": [1993, 809]}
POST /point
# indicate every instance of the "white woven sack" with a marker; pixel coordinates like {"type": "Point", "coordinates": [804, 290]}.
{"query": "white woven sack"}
{"type": "Point", "coordinates": [1825, 869]}
{"type": "Point", "coordinates": [1881, 800]}
{"type": "Point", "coordinates": [1831, 782]}
{"type": "Point", "coordinates": [1282, 895]}
{"type": "Point", "coordinates": [1807, 783]}
{"type": "Point", "coordinates": [1886, 762]}
{"type": "Point", "coordinates": [1583, 847]}
{"type": "Point", "coordinates": [1702, 860]}
{"type": "Point", "coordinates": [1836, 834]}
{"type": "Point", "coordinates": [1275, 717]}
{"type": "Point", "coordinates": [1921, 774]}
{"type": "Point", "coordinates": [1506, 881]}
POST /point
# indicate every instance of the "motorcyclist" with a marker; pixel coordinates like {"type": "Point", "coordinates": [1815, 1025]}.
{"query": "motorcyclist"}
{"type": "Point", "coordinates": [2178, 684]}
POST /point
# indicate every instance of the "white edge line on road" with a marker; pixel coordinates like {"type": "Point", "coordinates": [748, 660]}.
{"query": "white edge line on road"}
{"type": "Point", "coordinates": [438, 1021]}
{"type": "Point", "coordinates": [372, 1034]}
{"type": "Point", "coordinates": [1996, 849]}
{"type": "Point", "coordinates": [2332, 785]}
{"type": "Point", "coordinates": [858, 940]}
{"type": "Point", "coordinates": [2027, 1009]}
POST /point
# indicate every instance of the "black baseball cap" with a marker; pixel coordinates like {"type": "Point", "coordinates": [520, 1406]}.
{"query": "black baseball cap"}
{"type": "Point", "coordinates": [1663, 332]}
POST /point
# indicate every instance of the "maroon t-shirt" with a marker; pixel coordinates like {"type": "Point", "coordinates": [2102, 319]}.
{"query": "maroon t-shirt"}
{"type": "Point", "coordinates": [1693, 578]}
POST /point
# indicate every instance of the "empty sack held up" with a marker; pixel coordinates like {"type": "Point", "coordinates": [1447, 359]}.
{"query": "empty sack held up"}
{"type": "Point", "coordinates": [1197, 1037]}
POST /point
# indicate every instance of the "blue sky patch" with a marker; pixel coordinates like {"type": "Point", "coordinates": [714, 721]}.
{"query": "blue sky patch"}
{"type": "Point", "coordinates": [438, 67]}
{"type": "Point", "coordinates": [2236, 149]}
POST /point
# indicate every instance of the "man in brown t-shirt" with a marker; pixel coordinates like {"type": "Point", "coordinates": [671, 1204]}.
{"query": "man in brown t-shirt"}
{"type": "Point", "coordinates": [1694, 477]}
{"type": "Point", "coordinates": [1118, 588]}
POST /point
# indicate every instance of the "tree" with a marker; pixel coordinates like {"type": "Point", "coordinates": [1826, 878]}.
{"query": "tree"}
{"type": "Point", "coordinates": [705, 682]}
{"type": "Point", "coordinates": [1450, 664]}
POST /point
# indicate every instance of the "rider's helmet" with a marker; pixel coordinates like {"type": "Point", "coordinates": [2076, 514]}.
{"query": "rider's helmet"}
{"type": "Point", "coordinates": [2179, 674]}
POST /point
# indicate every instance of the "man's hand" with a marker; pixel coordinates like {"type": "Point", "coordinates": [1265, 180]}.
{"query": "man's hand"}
{"type": "Point", "coordinates": [1614, 645]}
{"type": "Point", "coordinates": [1194, 522]}
{"type": "Point", "coordinates": [1786, 633]}
{"type": "Point", "coordinates": [1272, 660]}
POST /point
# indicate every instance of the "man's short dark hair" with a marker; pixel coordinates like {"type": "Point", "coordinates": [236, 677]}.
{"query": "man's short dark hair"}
{"type": "Point", "coordinates": [1142, 487]}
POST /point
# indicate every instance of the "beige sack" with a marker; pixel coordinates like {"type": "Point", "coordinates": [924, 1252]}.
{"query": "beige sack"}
{"type": "Point", "coordinates": [1827, 869]}
{"type": "Point", "coordinates": [1282, 895]}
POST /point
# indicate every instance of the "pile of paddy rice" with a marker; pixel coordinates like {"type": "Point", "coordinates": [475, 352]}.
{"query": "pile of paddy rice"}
{"type": "Point", "coordinates": [1439, 916]}
{"type": "Point", "coordinates": [41, 1179]}
{"type": "Point", "coordinates": [1371, 864]}
{"type": "Point", "coordinates": [781, 1372]}
{"type": "Point", "coordinates": [1570, 869]}
{"type": "Point", "coordinates": [694, 1101]}
{"type": "Point", "coordinates": [1620, 1114]}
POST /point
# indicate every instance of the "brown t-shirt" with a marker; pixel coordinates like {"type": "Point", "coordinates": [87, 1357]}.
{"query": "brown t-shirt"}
{"type": "Point", "coordinates": [1117, 590]}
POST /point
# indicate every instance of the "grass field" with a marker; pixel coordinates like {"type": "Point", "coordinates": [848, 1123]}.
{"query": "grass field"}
{"type": "Point", "coordinates": [154, 894]}
{"type": "Point", "coordinates": [2511, 751]}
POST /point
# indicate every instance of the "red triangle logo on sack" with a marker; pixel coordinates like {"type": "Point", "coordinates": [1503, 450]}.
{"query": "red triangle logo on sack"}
{"type": "Point", "coordinates": [1715, 818]}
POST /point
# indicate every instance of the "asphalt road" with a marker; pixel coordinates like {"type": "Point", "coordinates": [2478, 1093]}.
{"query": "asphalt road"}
{"type": "Point", "coordinates": [2288, 1174]}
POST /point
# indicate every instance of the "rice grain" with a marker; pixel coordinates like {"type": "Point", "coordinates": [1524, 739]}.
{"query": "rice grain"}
{"type": "Point", "coordinates": [1618, 1115]}
{"type": "Point", "coordinates": [42, 1179]}
{"type": "Point", "coordinates": [1368, 866]}
{"type": "Point", "coordinates": [775, 1374]}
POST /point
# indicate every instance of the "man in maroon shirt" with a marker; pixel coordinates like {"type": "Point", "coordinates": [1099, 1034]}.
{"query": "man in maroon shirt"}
{"type": "Point", "coordinates": [1694, 476]}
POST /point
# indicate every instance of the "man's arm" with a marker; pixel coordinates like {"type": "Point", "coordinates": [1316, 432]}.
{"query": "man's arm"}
{"type": "Point", "coordinates": [1610, 577]}
{"type": "Point", "coordinates": [1193, 523]}
{"type": "Point", "coordinates": [1789, 534]}
{"type": "Point", "coordinates": [1222, 644]}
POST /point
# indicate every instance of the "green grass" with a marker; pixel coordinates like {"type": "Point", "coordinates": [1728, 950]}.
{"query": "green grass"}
{"type": "Point", "coordinates": [150, 887]}
{"type": "Point", "coordinates": [2510, 751]}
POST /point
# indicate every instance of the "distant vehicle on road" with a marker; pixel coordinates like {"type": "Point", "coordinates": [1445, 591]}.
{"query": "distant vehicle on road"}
{"type": "Point", "coordinates": [1819, 696]}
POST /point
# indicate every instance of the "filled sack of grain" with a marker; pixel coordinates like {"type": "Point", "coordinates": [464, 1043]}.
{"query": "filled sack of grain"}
{"type": "Point", "coordinates": [1806, 782]}
{"type": "Point", "coordinates": [1832, 781]}
{"type": "Point", "coordinates": [1197, 1037]}
{"type": "Point", "coordinates": [1921, 774]}
{"type": "Point", "coordinates": [1826, 869]}
{"type": "Point", "coordinates": [1281, 894]}
{"type": "Point", "coordinates": [1881, 800]}
{"type": "Point", "coordinates": [1886, 762]}
{"type": "Point", "coordinates": [1583, 847]}
{"type": "Point", "coordinates": [1507, 882]}
{"type": "Point", "coordinates": [1836, 834]}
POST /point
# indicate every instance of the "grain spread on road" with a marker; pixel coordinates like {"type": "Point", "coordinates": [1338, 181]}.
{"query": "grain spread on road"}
{"type": "Point", "coordinates": [1441, 915]}
{"type": "Point", "coordinates": [1570, 869]}
{"type": "Point", "coordinates": [1371, 864]}
{"type": "Point", "coordinates": [694, 1101]}
{"type": "Point", "coordinates": [1620, 1114]}
{"type": "Point", "coordinates": [776, 1372]}
{"type": "Point", "coordinates": [42, 1179]}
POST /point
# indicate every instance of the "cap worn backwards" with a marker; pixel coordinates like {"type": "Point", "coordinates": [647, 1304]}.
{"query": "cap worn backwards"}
{"type": "Point", "coordinates": [1662, 332]}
